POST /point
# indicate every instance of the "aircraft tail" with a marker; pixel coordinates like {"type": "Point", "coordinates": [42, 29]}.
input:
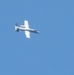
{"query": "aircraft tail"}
{"type": "Point", "coordinates": [16, 27]}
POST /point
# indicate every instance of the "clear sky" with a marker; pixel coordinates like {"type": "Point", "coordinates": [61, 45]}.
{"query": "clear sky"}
{"type": "Point", "coordinates": [49, 53]}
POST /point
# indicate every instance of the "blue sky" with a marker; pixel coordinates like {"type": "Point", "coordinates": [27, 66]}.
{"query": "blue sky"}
{"type": "Point", "coordinates": [49, 53]}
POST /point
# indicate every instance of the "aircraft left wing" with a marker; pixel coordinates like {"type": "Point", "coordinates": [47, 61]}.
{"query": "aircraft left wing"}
{"type": "Point", "coordinates": [26, 24]}
{"type": "Point", "coordinates": [27, 33]}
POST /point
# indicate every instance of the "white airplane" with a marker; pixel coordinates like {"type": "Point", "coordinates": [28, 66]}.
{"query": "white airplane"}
{"type": "Point", "coordinates": [25, 28]}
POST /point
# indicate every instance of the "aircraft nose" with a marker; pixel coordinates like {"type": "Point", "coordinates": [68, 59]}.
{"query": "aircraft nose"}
{"type": "Point", "coordinates": [38, 31]}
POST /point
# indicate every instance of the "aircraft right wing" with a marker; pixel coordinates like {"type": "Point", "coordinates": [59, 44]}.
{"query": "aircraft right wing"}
{"type": "Point", "coordinates": [27, 33]}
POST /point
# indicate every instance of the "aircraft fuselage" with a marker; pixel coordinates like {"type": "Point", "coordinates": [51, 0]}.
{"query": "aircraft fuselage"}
{"type": "Point", "coordinates": [28, 29]}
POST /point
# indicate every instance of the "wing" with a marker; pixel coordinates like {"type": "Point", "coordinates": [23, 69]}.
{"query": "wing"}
{"type": "Point", "coordinates": [27, 33]}
{"type": "Point", "coordinates": [26, 24]}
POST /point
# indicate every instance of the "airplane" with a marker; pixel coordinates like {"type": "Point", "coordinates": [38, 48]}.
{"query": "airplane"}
{"type": "Point", "coordinates": [25, 28]}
